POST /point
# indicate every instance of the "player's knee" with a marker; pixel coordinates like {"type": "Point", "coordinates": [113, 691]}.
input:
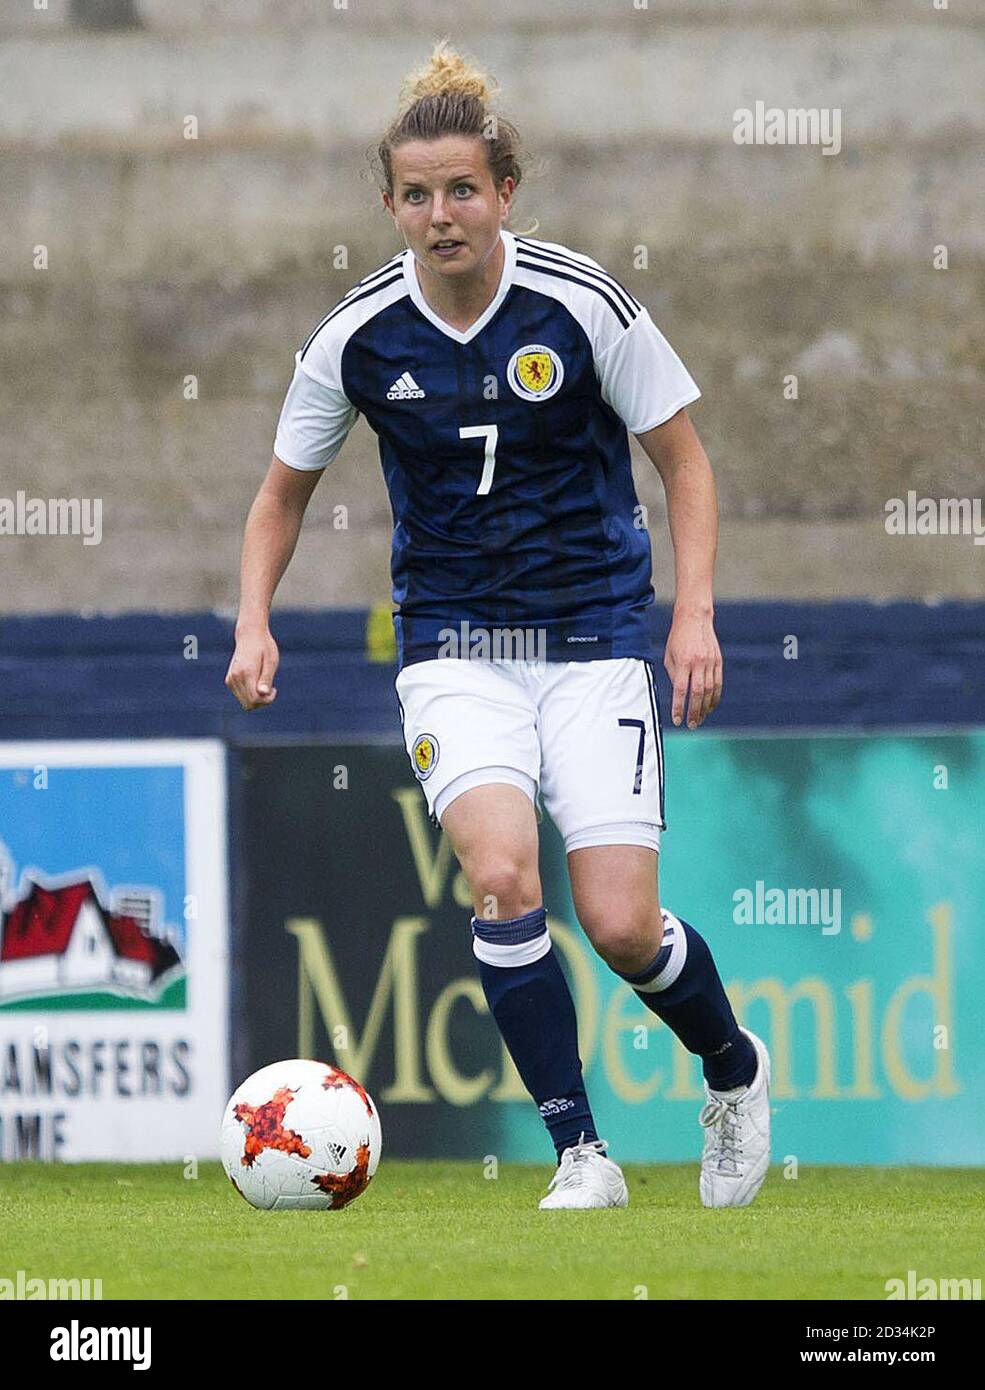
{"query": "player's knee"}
{"type": "Point", "coordinates": [503, 886]}
{"type": "Point", "coordinates": [626, 938]}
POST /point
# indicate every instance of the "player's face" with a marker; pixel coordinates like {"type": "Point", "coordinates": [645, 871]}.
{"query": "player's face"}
{"type": "Point", "coordinates": [446, 203]}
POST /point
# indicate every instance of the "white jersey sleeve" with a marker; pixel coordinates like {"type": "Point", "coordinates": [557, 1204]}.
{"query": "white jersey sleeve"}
{"type": "Point", "coordinates": [316, 416]}
{"type": "Point", "coordinates": [642, 378]}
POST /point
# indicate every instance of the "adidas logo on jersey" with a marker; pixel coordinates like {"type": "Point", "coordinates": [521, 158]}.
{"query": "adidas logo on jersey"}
{"type": "Point", "coordinates": [405, 388]}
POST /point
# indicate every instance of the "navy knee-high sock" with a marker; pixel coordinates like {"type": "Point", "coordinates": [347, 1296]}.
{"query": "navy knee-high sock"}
{"type": "Point", "coordinates": [529, 998]}
{"type": "Point", "coordinates": [683, 988]}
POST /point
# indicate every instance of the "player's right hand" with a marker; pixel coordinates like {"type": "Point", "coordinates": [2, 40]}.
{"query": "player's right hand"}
{"type": "Point", "coordinates": [251, 672]}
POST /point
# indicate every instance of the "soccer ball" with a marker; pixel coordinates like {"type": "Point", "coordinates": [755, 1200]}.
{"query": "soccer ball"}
{"type": "Point", "coordinates": [300, 1136]}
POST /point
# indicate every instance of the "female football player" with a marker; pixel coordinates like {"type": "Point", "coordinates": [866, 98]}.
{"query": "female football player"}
{"type": "Point", "coordinates": [503, 375]}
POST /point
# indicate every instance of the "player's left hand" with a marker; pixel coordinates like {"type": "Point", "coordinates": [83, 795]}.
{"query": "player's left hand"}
{"type": "Point", "coordinates": [693, 658]}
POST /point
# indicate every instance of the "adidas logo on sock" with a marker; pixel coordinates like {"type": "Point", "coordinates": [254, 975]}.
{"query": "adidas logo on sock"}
{"type": "Point", "coordinates": [556, 1106]}
{"type": "Point", "coordinates": [405, 388]}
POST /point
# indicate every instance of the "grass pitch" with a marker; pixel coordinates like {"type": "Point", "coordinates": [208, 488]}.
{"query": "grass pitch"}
{"type": "Point", "coordinates": [443, 1231]}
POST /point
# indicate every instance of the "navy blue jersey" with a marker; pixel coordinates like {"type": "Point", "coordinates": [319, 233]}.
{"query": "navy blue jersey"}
{"type": "Point", "coordinates": [505, 449]}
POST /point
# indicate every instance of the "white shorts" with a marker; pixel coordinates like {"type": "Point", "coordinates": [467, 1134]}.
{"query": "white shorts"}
{"type": "Point", "coordinates": [585, 734]}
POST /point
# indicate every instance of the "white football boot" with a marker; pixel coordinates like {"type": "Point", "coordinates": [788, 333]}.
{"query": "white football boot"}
{"type": "Point", "coordinates": [737, 1138]}
{"type": "Point", "coordinates": [586, 1178]}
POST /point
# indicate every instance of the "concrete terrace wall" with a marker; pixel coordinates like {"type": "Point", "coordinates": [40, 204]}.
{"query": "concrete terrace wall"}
{"type": "Point", "coordinates": [213, 257]}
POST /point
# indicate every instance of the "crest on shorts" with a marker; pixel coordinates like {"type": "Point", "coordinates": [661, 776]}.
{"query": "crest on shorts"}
{"type": "Point", "coordinates": [425, 755]}
{"type": "Point", "coordinates": [535, 372]}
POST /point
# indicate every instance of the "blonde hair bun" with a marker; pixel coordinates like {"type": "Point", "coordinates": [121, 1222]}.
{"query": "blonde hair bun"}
{"type": "Point", "coordinates": [447, 72]}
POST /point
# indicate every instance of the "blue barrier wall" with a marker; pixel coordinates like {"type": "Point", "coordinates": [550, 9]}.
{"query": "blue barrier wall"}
{"type": "Point", "coordinates": [142, 675]}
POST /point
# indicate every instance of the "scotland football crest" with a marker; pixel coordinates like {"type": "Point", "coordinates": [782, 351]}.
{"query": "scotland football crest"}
{"type": "Point", "coordinates": [535, 372]}
{"type": "Point", "coordinates": [425, 755]}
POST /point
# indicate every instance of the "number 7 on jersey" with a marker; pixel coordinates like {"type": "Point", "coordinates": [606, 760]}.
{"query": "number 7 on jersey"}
{"type": "Point", "coordinates": [490, 433]}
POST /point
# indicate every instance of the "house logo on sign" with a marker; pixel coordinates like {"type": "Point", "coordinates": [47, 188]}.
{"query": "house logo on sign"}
{"type": "Point", "coordinates": [64, 937]}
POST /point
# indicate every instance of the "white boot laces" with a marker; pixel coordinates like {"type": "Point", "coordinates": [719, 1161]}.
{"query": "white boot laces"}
{"type": "Point", "coordinates": [723, 1115]}
{"type": "Point", "coordinates": [572, 1168]}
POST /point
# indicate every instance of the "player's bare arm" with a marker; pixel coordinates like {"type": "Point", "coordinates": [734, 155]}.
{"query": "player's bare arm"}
{"type": "Point", "coordinates": [692, 655]}
{"type": "Point", "coordinates": [271, 535]}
